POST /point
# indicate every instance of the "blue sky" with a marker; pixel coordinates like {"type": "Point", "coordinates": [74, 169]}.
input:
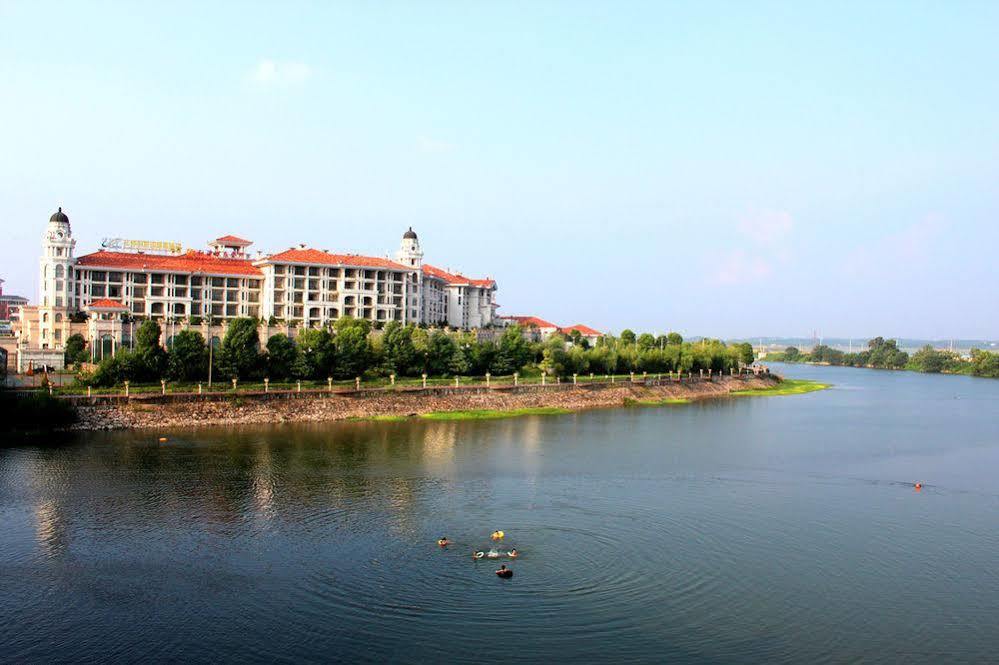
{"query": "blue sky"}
{"type": "Point", "coordinates": [723, 169]}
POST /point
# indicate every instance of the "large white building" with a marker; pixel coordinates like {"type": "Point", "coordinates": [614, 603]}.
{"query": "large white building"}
{"type": "Point", "coordinates": [300, 286]}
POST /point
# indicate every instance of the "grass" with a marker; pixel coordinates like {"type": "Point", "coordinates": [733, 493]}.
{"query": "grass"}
{"type": "Point", "coordinates": [492, 414]}
{"type": "Point", "coordinates": [786, 387]}
{"type": "Point", "coordinates": [656, 402]}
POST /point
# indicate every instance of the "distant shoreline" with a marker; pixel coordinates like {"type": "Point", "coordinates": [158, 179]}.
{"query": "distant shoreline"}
{"type": "Point", "coordinates": [437, 403]}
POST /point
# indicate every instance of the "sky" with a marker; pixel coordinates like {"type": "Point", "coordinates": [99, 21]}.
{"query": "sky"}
{"type": "Point", "coordinates": [723, 169]}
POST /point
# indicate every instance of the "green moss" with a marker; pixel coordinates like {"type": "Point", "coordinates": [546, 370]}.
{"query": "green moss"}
{"type": "Point", "coordinates": [491, 414]}
{"type": "Point", "coordinates": [656, 402]}
{"type": "Point", "coordinates": [786, 387]}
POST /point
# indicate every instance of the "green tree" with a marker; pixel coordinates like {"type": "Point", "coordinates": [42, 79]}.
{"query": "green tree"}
{"type": "Point", "coordinates": [150, 358]}
{"type": "Point", "coordinates": [746, 355]}
{"type": "Point", "coordinates": [792, 354]}
{"type": "Point", "coordinates": [317, 354]}
{"type": "Point", "coordinates": [627, 337]}
{"type": "Point", "coordinates": [512, 353]}
{"type": "Point", "coordinates": [239, 356]}
{"type": "Point", "coordinates": [353, 348]}
{"type": "Point", "coordinates": [188, 359]}
{"type": "Point", "coordinates": [646, 342]}
{"type": "Point", "coordinates": [674, 339]}
{"type": "Point", "coordinates": [282, 357]}
{"type": "Point", "coordinates": [76, 350]}
{"type": "Point", "coordinates": [398, 350]}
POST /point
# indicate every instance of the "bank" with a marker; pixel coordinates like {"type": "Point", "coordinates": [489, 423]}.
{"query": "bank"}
{"type": "Point", "coordinates": [193, 410]}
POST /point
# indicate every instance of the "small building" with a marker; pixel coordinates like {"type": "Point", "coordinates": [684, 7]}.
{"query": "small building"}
{"type": "Point", "coordinates": [10, 305]}
{"type": "Point", "coordinates": [586, 332]}
{"type": "Point", "coordinates": [535, 329]}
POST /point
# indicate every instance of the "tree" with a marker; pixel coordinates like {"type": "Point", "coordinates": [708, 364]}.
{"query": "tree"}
{"type": "Point", "coordinates": [512, 353]}
{"type": "Point", "coordinates": [627, 337]}
{"type": "Point", "coordinates": [792, 354]}
{"type": "Point", "coordinates": [398, 351]}
{"type": "Point", "coordinates": [646, 341]}
{"type": "Point", "coordinates": [240, 352]}
{"type": "Point", "coordinates": [317, 354]}
{"type": "Point", "coordinates": [353, 348]}
{"type": "Point", "coordinates": [282, 356]}
{"type": "Point", "coordinates": [674, 339]}
{"type": "Point", "coordinates": [440, 352]}
{"type": "Point", "coordinates": [76, 349]}
{"type": "Point", "coordinates": [188, 359]}
{"type": "Point", "coordinates": [928, 359]}
{"type": "Point", "coordinates": [746, 355]}
{"type": "Point", "coordinates": [150, 358]}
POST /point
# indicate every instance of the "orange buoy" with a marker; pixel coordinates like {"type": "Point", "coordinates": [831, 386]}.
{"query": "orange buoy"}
{"type": "Point", "coordinates": [162, 439]}
{"type": "Point", "coordinates": [918, 486]}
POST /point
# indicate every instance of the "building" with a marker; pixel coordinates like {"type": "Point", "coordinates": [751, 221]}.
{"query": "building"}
{"type": "Point", "coordinates": [586, 332]}
{"type": "Point", "coordinates": [10, 305]}
{"type": "Point", "coordinates": [95, 294]}
{"type": "Point", "coordinates": [535, 329]}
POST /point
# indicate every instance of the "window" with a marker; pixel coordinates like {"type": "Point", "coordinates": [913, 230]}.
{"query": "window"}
{"type": "Point", "coordinates": [59, 272]}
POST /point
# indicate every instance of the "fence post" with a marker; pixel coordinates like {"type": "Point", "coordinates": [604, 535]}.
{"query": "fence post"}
{"type": "Point", "coordinates": [267, 384]}
{"type": "Point", "coordinates": [543, 378]}
{"type": "Point", "coordinates": [357, 383]}
{"type": "Point", "coordinates": [455, 382]}
{"type": "Point", "coordinates": [516, 378]}
{"type": "Point", "coordinates": [234, 381]}
{"type": "Point", "coordinates": [591, 377]}
{"type": "Point", "coordinates": [632, 377]}
{"type": "Point", "coordinates": [199, 388]}
{"type": "Point", "coordinates": [644, 375]}
{"type": "Point", "coordinates": [392, 379]}
{"type": "Point", "coordinates": [299, 386]}
{"type": "Point", "coordinates": [488, 375]}
{"type": "Point", "coordinates": [558, 380]}
{"type": "Point", "coordinates": [424, 380]}
{"type": "Point", "coordinates": [88, 391]}
{"type": "Point", "coordinates": [163, 386]}
{"type": "Point", "coordinates": [50, 388]}
{"type": "Point", "coordinates": [613, 378]}
{"type": "Point", "coordinates": [126, 389]}
{"type": "Point", "coordinates": [574, 380]}
{"type": "Point", "coordinates": [329, 383]}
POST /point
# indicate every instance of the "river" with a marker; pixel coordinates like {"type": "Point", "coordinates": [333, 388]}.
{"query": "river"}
{"type": "Point", "coordinates": [755, 529]}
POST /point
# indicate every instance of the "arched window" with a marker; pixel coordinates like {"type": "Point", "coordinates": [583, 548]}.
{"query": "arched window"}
{"type": "Point", "coordinates": [45, 317]}
{"type": "Point", "coordinates": [59, 273]}
{"type": "Point", "coordinates": [58, 318]}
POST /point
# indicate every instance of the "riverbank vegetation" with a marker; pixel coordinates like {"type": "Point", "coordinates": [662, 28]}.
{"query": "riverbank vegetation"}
{"type": "Point", "coordinates": [350, 349]}
{"type": "Point", "coordinates": [786, 387]}
{"type": "Point", "coordinates": [494, 414]}
{"type": "Point", "coordinates": [885, 354]}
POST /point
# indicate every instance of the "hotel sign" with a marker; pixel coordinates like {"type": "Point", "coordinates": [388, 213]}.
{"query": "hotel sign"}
{"type": "Point", "coordinates": [163, 246]}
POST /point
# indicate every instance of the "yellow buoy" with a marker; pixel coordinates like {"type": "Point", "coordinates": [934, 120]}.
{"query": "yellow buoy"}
{"type": "Point", "coordinates": [497, 535]}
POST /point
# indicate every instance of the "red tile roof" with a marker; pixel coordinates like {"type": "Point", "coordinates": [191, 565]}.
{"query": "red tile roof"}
{"type": "Point", "coordinates": [233, 240]}
{"type": "Point", "coordinates": [106, 303]}
{"type": "Point", "coordinates": [585, 331]}
{"type": "Point", "coordinates": [189, 262]}
{"type": "Point", "coordinates": [316, 256]}
{"type": "Point", "coordinates": [455, 278]}
{"type": "Point", "coordinates": [530, 321]}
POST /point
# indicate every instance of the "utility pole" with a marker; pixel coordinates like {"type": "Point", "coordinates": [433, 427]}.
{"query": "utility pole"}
{"type": "Point", "coordinates": [210, 349]}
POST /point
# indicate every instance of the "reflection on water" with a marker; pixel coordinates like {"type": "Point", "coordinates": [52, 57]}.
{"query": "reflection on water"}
{"type": "Point", "coordinates": [772, 529]}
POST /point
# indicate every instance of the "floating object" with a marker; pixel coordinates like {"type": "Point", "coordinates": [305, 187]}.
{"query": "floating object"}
{"type": "Point", "coordinates": [162, 439]}
{"type": "Point", "coordinates": [497, 535]}
{"type": "Point", "coordinates": [504, 572]}
{"type": "Point", "coordinates": [513, 554]}
{"type": "Point", "coordinates": [918, 486]}
{"type": "Point", "coordinates": [443, 542]}
{"type": "Point", "coordinates": [493, 554]}
{"type": "Point", "coordinates": [478, 555]}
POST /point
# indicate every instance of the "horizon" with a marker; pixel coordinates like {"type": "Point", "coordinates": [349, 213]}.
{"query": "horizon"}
{"type": "Point", "coordinates": [718, 172]}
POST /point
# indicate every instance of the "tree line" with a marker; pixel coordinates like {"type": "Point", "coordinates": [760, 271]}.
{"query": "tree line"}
{"type": "Point", "coordinates": [349, 349]}
{"type": "Point", "coordinates": [885, 354]}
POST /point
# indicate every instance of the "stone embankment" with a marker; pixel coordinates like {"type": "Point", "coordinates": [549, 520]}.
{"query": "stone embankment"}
{"type": "Point", "coordinates": [274, 407]}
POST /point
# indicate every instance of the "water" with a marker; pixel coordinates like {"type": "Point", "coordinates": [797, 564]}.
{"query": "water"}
{"type": "Point", "coordinates": [740, 530]}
